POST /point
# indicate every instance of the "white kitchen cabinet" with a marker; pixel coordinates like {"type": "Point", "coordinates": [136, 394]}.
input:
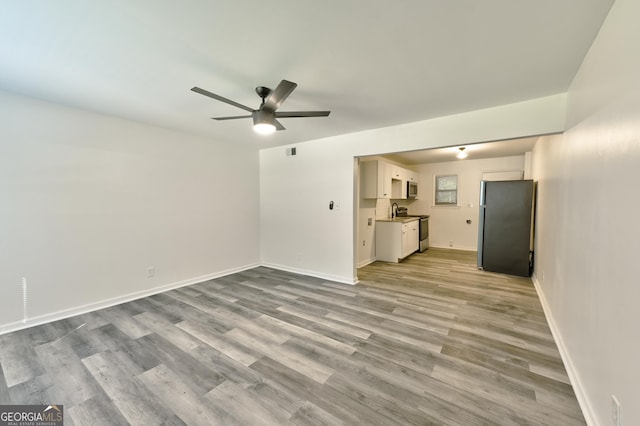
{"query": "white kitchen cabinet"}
{"type": "Point", "coordinates": [399, 182]}
{"type": "Point", "coordinates": [397, 172]}
{"type": "Point", "coordinates": [379, 179]}
{"type": "Point", "coordinates": [412, 176]}
{"type": "Point", "coordinates": [410, 238]}
{"type": "Point", "coordinates": [398, 189]}
{"type": "Point", "coordinates": [396, 239]}
{"type": "Point", "coordinates": [375, 179]}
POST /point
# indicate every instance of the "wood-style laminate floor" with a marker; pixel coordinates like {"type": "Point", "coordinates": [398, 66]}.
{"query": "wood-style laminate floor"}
{"type": "Point", "coordinates": [429, 341]}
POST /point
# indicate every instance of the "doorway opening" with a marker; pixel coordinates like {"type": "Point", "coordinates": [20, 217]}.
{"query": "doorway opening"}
{"type": "Point", "coordinates": [381, 189]}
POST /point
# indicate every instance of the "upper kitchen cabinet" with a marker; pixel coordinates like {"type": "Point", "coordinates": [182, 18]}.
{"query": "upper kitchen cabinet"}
{"type": "Point", "coordinates": [412, 176]}
{"type": "Point", "coordinates": [380, 179]}
{"type": "Point", "coordinates": [398, 185]}
{"type": "Point", "coordinates": [397, 173]}
{"type": "Point", "coordinates": [375, 179]}
{"type": "Point", "coordinates": [398, 189]}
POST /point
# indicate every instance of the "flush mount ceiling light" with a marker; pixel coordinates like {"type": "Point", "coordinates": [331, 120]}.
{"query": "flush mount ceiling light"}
{"type": "Point", "coordinates": [461, 154]}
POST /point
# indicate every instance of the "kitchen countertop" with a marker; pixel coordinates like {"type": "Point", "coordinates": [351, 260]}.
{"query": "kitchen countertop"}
{"type": "Point", "coordinates": [402, 219]}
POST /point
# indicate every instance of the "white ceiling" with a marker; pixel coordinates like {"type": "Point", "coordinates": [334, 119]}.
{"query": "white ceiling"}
{"type": "Point", "coordinates": [477, 151]}
{"type": "Point", "coordinates": [373, 64]}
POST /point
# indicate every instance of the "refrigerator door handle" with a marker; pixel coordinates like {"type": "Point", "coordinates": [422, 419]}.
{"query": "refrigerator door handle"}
{"type": "Point", "coordinates": [482, 206]}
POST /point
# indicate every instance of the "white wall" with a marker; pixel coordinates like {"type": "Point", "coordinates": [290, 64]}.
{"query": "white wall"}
{"type": "Point", "coordinates": [588, 228]}
{"type": "Point", "coordinates": [88, 202]}
{"type": "Point", "coordinates": [449, 223]}
{"type": "Point", "coordinates": [300, 233]}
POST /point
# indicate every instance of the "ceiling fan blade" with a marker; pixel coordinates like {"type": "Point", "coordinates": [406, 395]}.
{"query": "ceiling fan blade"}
{"type": "Point", "coordinates": [220, 98]}
{"type": "Point", "coordinates": [278, 125]}
{"type": "Point", "coordinates": [292, 114]}
{"type": "Point", "coordinates": [231, 118]}
{"type": "Point", "coordinates": [277, 96]}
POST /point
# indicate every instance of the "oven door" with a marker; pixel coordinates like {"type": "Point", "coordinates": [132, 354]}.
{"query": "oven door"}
{"type": "Point", "coordinates": [424, 233]}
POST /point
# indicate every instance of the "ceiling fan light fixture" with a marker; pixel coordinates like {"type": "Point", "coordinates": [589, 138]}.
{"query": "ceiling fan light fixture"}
{"type": "Point", "coordinates": [263, 122]}
{"type": "Point", "coordinates": [264, 128]}
{"type": "Point", "coordinates": [461, 154]}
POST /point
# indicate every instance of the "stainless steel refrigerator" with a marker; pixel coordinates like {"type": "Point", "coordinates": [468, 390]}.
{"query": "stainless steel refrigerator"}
{"type": "Point", "coordinates": [505, 232]}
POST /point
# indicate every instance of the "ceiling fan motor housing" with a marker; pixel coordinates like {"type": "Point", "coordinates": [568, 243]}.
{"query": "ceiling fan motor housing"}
{"type": "Point", "coordinates": [263, 116]}
{"type": "Point", "coordinates": [263, 92]}
{"type": "Point", "coordinates": [265, 119]}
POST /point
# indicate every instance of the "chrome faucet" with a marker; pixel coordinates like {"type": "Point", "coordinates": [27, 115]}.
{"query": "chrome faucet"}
{"type": "Point", "coordinates": [394, 211]}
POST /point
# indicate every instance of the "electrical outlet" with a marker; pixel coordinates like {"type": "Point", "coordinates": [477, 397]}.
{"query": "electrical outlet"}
{"type": "Point", "coordinates": [151, 272]}
{"type": "Point", "coordinates": [450, 243]}
{"type": "Point", "coordinates": [615, 411]}
{"type": "Point", "coordinates": [364, 242]}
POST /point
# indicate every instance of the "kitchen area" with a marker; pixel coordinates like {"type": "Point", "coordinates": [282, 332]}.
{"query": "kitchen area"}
{"type": "Point", "coordinates": [387, 190]}
{"type": "Point", "coordinates": [397, 212]}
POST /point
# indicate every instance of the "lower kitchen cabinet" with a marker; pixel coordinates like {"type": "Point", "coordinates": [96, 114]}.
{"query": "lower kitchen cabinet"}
{"type": "Point", "coordinates": [396, 240]}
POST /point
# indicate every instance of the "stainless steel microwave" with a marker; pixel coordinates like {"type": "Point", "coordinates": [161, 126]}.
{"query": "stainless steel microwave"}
{"type": "Point", "coordinates": [412, 189]}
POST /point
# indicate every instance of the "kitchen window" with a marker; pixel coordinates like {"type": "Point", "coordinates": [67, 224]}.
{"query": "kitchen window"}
{"type": "Point", "coordinates": [446, 192]}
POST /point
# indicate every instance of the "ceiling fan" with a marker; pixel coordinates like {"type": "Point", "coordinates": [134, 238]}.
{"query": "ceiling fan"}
{"type": "Point", "coordinates": [265, 117]}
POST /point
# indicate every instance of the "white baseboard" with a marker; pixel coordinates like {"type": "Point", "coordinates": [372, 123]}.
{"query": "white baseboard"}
{"type": "Point", "coordinates": [66, 313]}
{"type": "Point", "coordinates": [366, 262]}
{"type": "Point", "coordinates": [574, 377]}
{"type": "Point", "coordinates": [79, 310]}
{"type": "Point", "coordinates": [336, 278]}
{"type": "Point", "coordinates": [462, 248]}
